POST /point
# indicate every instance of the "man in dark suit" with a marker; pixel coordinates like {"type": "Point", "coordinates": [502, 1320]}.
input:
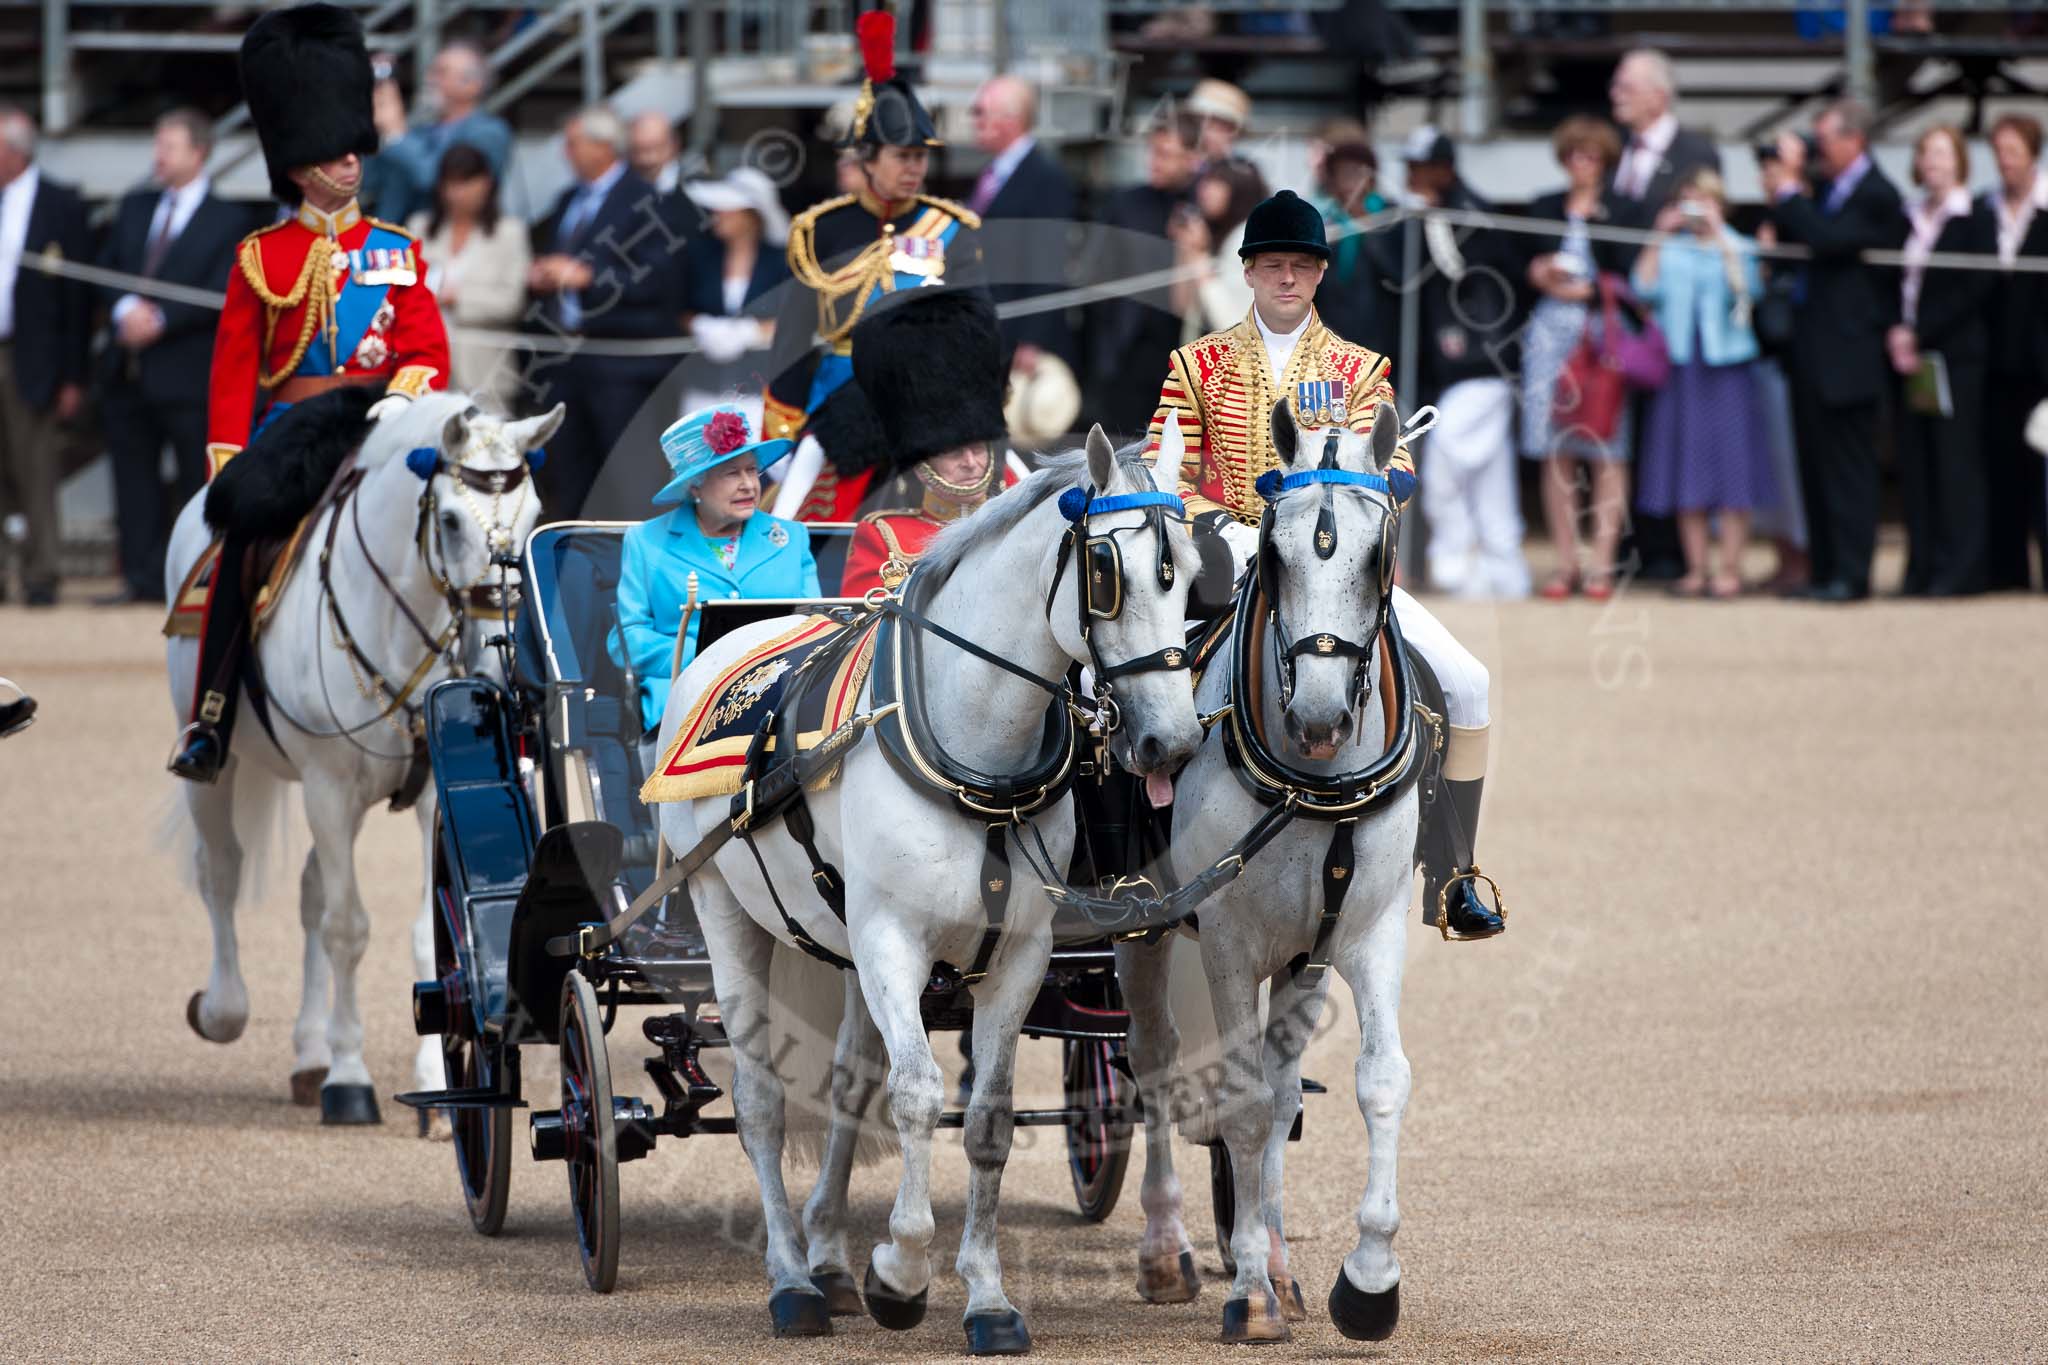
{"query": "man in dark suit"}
{"type": "Point", "coordinates": [607, 266]}
{"type": "Point", "coordinates": [2018, 380]}
{"type": "Point", "coordinates": [1125, 335]}
{"type": "Point", "coordinates": [1659, 154]}
{"type": "Point", "coordinates": [154, 375]}
{"type": "Point", "coordinates": [1655, 160]}
{"type": "Point", "coordinates": [1839, 369]}
{"type": "Point", "coordinates": [1026, 202]}
{"type": "Point", "coordinates": [43, 335]}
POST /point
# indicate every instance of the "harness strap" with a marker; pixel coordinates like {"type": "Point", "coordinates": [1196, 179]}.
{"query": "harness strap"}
{"type": "Point", "coordinates": [894, 607]}
{"type": "Point", "coordinates": [796, 931]}
{"type": "Point", "coordinates": [1338, 865]}
{"type": "Point", "coordinates": [831, 886]}
{"type": "Point", "coordinates": [995, 898]}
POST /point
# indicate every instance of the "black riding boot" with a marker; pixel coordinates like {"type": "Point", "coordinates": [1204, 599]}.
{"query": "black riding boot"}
{"type": "Point", "coordinates": [223, 638]}
{"type": "Point", "coordinates": [1450, 873]}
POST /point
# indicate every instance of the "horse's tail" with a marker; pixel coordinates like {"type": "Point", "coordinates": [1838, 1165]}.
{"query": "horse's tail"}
{"type": "Point", "coordinates": [806, 1004]}
{"type": "Point", "coordinates": [262, 825]}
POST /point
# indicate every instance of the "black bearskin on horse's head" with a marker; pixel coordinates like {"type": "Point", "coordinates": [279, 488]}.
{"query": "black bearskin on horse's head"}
{"type": "Point", "coordinates": [266, 489]}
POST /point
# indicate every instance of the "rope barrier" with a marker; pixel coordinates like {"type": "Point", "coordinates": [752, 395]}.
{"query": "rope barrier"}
{"type": "Point", "coordinates": [1052, 301]}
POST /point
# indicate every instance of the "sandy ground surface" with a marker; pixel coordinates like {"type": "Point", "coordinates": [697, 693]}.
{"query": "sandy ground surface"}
{"type": "Point", "coordinates": [1757, 1074]}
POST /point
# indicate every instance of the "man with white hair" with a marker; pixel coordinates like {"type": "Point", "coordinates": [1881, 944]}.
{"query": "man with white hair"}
{"type": "Point", "coordinates": [43, 335]}
{"type": "Point", "coordinates": [401, 178]}
{"type": "Point", "coordinates": [1659, 154]}
{"type": "Point", "coordinates": [1026, 202]}
{"type": "Point", "coordinates": [653, 151]}
{"type": "Point", "coordinates": [1657, 159]}
{"type": "Point", "coordinates": [606, 266]}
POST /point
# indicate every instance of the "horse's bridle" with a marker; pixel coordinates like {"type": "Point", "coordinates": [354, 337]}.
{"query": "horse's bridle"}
{"type": "Point", "coordinates": [1100, 581]}
{"type": "Point", "coordinates": [1324, 644]}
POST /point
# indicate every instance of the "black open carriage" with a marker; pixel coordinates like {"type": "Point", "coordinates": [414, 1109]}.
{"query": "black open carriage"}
{"type": "Point", "coordinates": [541, 831]}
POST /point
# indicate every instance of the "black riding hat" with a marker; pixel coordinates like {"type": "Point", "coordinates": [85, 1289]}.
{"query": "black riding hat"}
{"type": "Point", "coordinates": [306, 76]}
{"type": "Point", "coordinates": [1286, 222]}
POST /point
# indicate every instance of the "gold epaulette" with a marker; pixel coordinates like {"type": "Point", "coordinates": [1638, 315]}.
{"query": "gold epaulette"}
{"type": "Point", "coordinates": [803, 261]}
{"type": "Point", "coordinates": [409, 235]}
{"type": "Point", "coordinates": [967, 216]}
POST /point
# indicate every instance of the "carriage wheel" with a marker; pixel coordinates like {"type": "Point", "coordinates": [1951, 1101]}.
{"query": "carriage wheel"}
{"type": "Point", "coordinates": [1098, 1138]}
{"type": "Point", "coordinates": [483, 1137]}
{"type": "Point", "coordinates": [1223, 1198]}
{"type": "Point", "coordinates": [590, 1134]}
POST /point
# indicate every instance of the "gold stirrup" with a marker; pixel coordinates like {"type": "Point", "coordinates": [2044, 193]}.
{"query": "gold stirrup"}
{"type": "Point", "coordinates": [1443, 904]}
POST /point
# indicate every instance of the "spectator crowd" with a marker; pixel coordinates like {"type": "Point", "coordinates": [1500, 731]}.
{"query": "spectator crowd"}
{"type": "Point", "coordinates": [1679, 389]}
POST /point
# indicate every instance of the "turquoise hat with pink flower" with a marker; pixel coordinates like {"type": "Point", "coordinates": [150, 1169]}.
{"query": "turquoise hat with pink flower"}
{"type": "Point", "coordinates": [705, 439]}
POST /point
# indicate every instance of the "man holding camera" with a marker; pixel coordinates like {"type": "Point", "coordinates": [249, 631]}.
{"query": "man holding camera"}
{"type": "Point", "coordinates": [1838, 360]}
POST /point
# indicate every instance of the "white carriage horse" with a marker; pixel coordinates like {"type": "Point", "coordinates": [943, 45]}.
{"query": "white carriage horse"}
{"type": "Point", "coordinates": [913, 862]}
{"type": "Point", "coordinates": [1325, 880]}
{"type": "Point", "coordinates": [417, 531]}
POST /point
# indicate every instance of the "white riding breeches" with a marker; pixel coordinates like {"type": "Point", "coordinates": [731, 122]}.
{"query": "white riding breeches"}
{"type": "Point", "coordinates": [1468, 493]}
{"type": "Point", "coordinates": [1460, 673]}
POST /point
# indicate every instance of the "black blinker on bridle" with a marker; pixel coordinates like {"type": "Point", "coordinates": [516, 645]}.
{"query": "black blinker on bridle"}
{"type": "Point", "coordinates": [1101, 573]}
{"type": "Point", "coordinates": [1323, 644]}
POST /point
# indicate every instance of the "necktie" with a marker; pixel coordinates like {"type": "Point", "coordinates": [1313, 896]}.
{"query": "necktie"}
{"type": "Point", "coordinates": [1638, 180]}
{"type": "Point", "coordinates": [578, 215]}
{"type": "Point", "coordinates": [159, 236]}
{"type": "Point", "coordinates": [985, 188]}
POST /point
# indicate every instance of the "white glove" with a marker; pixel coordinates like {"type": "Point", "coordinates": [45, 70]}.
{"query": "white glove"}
{"type": "Point", "coordinates": [390, 405]}
{"type": "Point", "coordinates": [1243, 540]}
{"type": "Point", "coordinates": [724, 339]}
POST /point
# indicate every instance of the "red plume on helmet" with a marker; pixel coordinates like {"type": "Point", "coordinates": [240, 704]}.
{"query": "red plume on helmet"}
{"type": "Point", "coordinates": [876, 31]}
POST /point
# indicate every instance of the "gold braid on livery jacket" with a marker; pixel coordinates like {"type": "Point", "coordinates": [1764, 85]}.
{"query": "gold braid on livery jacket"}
{"type": "Point", "coordinates": [1222, 387]}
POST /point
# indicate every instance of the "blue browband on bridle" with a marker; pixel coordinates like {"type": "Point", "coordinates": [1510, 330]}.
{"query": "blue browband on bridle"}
{"type": "Point", "coordinates": [1078, 503]}
{"type": "Point", "coordinates": [1273, 483]}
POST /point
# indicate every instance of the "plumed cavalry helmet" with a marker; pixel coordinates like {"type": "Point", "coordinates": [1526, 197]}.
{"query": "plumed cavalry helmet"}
{"type": "Point", "coordinates": [931, 368]}
{"type": "Point", "coordinates": [306, 76]}
{"type": "Point", "coordinates": [887, 112]}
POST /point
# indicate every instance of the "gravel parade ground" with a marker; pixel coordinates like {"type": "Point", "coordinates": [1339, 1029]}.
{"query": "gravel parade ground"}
{"type": "Point", "coordinates": [1759, 1071]}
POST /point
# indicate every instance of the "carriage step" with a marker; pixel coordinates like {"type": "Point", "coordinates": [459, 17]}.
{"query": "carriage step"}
{"type": "Point", "coordinates": [480, 1097]}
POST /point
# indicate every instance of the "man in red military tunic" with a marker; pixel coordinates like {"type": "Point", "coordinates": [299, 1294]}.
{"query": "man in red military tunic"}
{"type": "Point", "coordinates": [325, 299]}
{"type": "Point", "coordinates": [948, 455]}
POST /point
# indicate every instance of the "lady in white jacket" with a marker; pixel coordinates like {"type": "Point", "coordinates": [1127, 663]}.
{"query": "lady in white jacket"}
{"type": "Point", "coordinates": [477, 258]}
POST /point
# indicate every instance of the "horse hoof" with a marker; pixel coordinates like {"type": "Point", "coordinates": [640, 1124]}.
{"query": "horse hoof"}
{"type": "Point", "coordinates": [1291, 1306]}
{"type": "Point", "coordinates": [800, 1313]}
{"type": "Point", "coordinates": [889, 1308]}
{"type": "Point", "coordinates": [842, 1295]}
{"type": "Point", "coordinates": [306, 1086]}
{"type": "Point", "coordinates": [998, 1334]}
{"type": "Point", "coordinates": [1161, 1280]}
{"type": "Point", "coordinates": [1244, 1327]}
{"type": "Point", "coordinates": [1362, 1316]}
{"type": "Point", "coordinates": [348, 1105]}
{"type": "Point", "coordinates": [192, 1018]}
{"type": "Point", "coordinates": [436, 1126]}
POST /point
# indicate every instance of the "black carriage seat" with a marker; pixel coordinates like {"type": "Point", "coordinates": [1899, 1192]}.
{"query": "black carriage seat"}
{"type": "Point", "coordinates": [574, 867]}
{"type": "Point", "coordinates": [592, 718]}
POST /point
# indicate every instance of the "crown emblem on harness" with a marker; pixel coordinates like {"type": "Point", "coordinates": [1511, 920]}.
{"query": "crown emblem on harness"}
{"type": "Point", "coordinates": [1326, 644]}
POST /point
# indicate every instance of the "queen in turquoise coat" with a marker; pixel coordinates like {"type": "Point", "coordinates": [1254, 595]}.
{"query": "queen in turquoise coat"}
{"type": "Point", "coordinates": [716, 532]}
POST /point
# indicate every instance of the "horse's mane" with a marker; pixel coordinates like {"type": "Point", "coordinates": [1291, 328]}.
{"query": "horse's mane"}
{"type": "Point", "coordinates": [1055, 475]}
{"type": "Point", "coordinates": [419, 425]}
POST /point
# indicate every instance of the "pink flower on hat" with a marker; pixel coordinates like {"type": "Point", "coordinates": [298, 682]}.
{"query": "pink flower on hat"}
{"type": "Point", "coordinates": [726, 433]}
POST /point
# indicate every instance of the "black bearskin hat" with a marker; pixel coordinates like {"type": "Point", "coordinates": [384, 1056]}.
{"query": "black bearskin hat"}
{"type": "Point", "coordinates": [931, 367]}
{"type": "Point", "coordinates": [887, 112]}
{"type": "Point", "coordinates": [306, 76]}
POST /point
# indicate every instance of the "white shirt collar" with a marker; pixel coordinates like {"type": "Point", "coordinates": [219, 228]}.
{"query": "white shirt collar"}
{"type": "Point", "coordinates": [23, 187]}
{"type": "Point", "coordinates": [1280, 345]}
{"type": "Point", "coordinates": [1657, 137]}
{"type": "Point", "coordinates": [602, 186]}
{"type": "Point", "coordinates": [1006, 160]}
